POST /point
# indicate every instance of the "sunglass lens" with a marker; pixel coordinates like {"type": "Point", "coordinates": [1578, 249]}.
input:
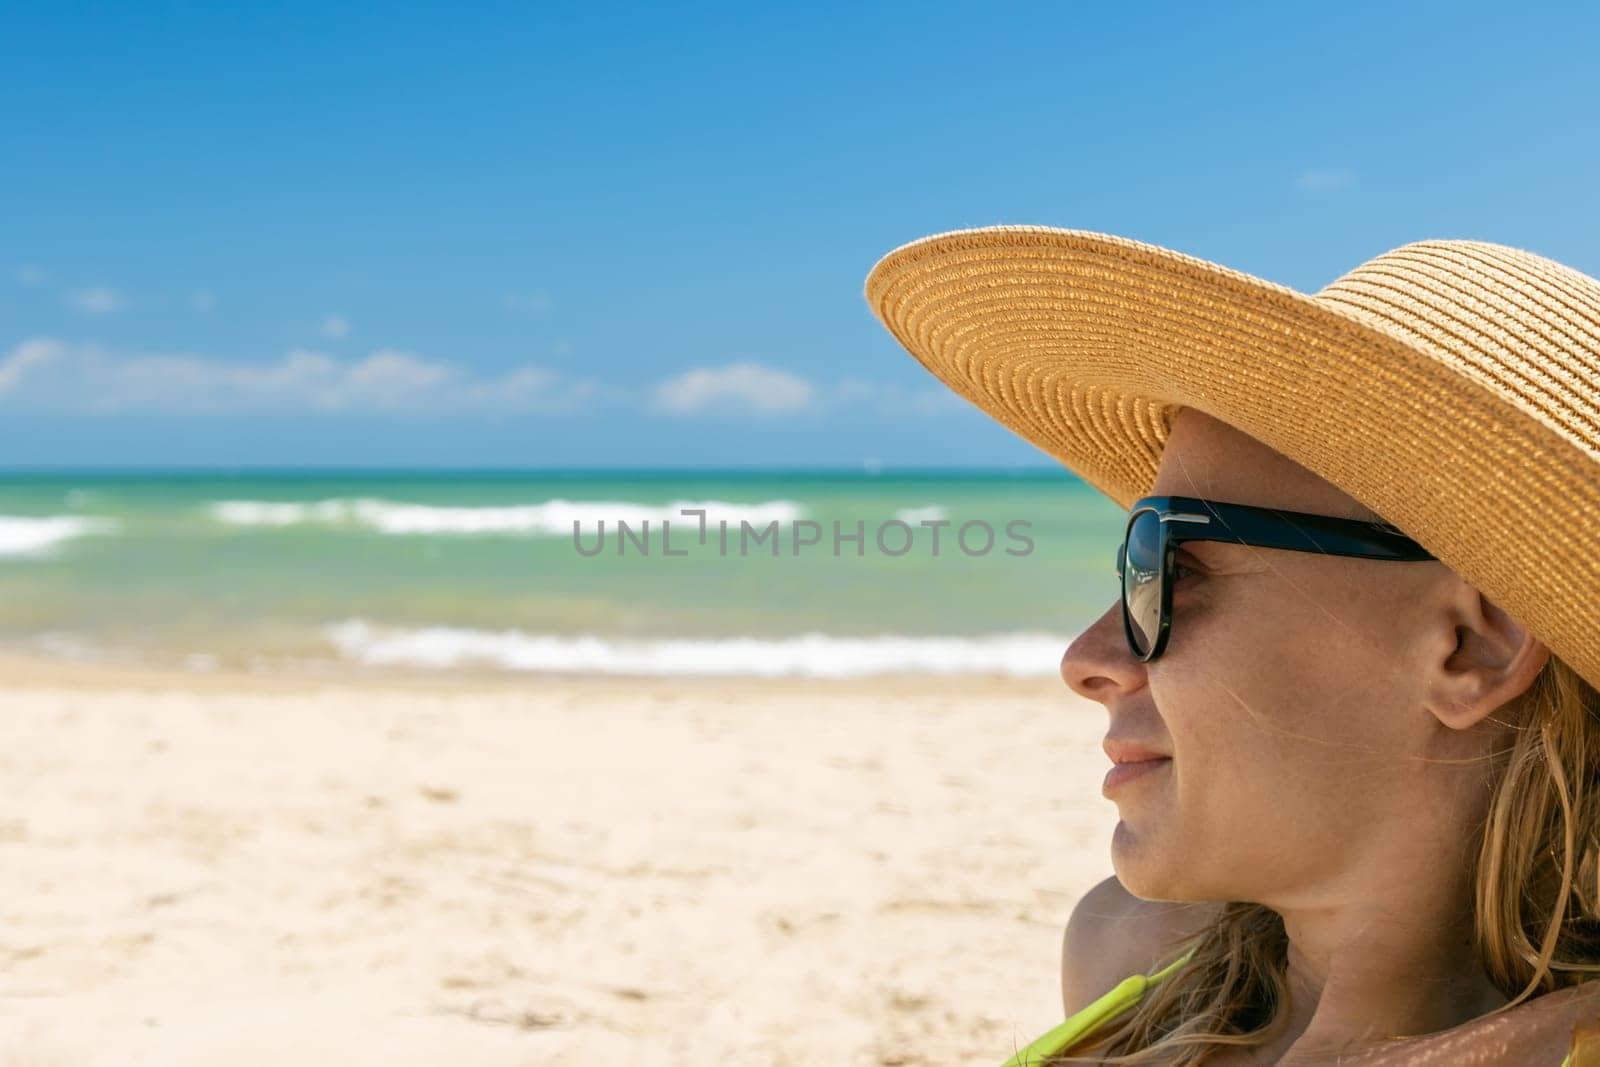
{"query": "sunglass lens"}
{"type": "Point", "coordinates": [1141, 580]}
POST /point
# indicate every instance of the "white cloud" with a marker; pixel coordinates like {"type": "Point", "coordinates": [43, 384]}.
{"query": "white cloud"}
{"type": "Point", "coordinates": [24, 357]}
{"type": "Point", "coordinates": [1323, 181]}
{"type": "Point", "coordinates": [31, 274]}
{"type": "Point", "coordinates": [97, 300]}
{"type": "Point", "coordinates": [535, 303]}
{"type": "Point", "coordinates": [49, 375]}
{"type": "Point", "coordinates": [335, 327]}
{"type": "Point", "coordinates": [738, 388]}
{"type": "Point", "coordinates": [203, 300]}
{"type": "Point", "coordinates": [892, 398]}
{"type": "Point", "coordinates": [748, 388]}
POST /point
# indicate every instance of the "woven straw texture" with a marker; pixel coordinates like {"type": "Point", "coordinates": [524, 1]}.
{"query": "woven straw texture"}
{"type": "Point", "coordinates": [1451, 386]}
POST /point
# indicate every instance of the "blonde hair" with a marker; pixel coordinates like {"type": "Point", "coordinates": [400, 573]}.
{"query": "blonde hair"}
{"type": "Point", "coordinates": [1536, 914]}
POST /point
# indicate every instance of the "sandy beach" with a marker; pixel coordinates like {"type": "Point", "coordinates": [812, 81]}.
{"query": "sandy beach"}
{"type": "Point", "coordinates": [210, 869]}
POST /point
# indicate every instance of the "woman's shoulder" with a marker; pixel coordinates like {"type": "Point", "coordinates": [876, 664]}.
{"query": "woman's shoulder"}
{"type": "Point", "coordinates": [1113, 934]}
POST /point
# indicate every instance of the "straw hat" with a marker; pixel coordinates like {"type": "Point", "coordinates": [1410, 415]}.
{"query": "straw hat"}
{"type": "Point", "coordinates": [1453, 387]}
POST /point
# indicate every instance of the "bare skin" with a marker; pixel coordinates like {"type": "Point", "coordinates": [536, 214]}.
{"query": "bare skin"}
{"type": "Point", "coordinates": [1113, 934]}
{"type": "Point", "coordinates": [1331, 724]}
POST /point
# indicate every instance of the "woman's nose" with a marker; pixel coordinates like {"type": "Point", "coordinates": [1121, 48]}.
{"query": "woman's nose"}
{"type": "Point", "coordinates": [1097, 664]}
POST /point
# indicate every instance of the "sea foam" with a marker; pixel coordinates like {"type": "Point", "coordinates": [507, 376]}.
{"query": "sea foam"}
{"type": "Point", "coordinates": [550, 518]}
{"type": "Point", "coordinates": [931, 513]}
{"type": "Point", "coordinates": [812, 655]}
{"type": "Point", "coordinates": [37, 535]}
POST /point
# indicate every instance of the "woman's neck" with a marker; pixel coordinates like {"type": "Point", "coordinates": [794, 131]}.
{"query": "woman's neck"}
{"type": "Point", "coordinates": [1382, 985]}
{"type": "Point", "coordinates": [1396, 959]}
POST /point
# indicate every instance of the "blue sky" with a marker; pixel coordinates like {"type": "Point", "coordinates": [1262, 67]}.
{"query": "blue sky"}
{"type": "Point", "coordinates": [549, 236]}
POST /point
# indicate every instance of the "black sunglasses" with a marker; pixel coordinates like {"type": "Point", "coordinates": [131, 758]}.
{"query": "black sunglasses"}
{"type": "Point", "coordinates": [1158, 524]}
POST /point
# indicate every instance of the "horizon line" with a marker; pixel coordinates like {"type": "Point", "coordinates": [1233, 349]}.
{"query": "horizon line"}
{"type": "Point", "coordinates": [853, 469]}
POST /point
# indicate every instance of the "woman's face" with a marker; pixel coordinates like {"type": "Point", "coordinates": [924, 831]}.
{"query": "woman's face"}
{"type": "Point", "coordinates": [1295, 699]}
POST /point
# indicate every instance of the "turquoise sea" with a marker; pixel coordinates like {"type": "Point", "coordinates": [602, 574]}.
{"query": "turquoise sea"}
{"type": "Point", "coordinates": [481, 569]}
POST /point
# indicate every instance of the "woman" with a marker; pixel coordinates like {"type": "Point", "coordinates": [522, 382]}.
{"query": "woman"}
{"type": "Point", "coordinates": [1357, 764]}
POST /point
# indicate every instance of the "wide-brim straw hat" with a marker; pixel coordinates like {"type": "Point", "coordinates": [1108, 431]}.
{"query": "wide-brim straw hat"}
{"type": "Point", "coordinates": [1451, 386]}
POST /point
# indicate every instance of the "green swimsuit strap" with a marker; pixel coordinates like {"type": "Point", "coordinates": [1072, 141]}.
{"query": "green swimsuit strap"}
{"type": "Point", "coordinates": [1120, 998]}
{"type": "Point", "coordinates": [1174, 965]}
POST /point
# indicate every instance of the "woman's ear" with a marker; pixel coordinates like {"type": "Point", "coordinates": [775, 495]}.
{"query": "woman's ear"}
{"type": "Point", "coordinates": [1494, 661]}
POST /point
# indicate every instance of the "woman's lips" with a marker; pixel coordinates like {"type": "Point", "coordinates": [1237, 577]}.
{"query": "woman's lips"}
{"type": "Point", "coordinates": [1122, 773]}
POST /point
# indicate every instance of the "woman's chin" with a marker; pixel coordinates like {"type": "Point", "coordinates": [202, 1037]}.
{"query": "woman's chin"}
{"type": "Point", "coordinates": [1144, 868]}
